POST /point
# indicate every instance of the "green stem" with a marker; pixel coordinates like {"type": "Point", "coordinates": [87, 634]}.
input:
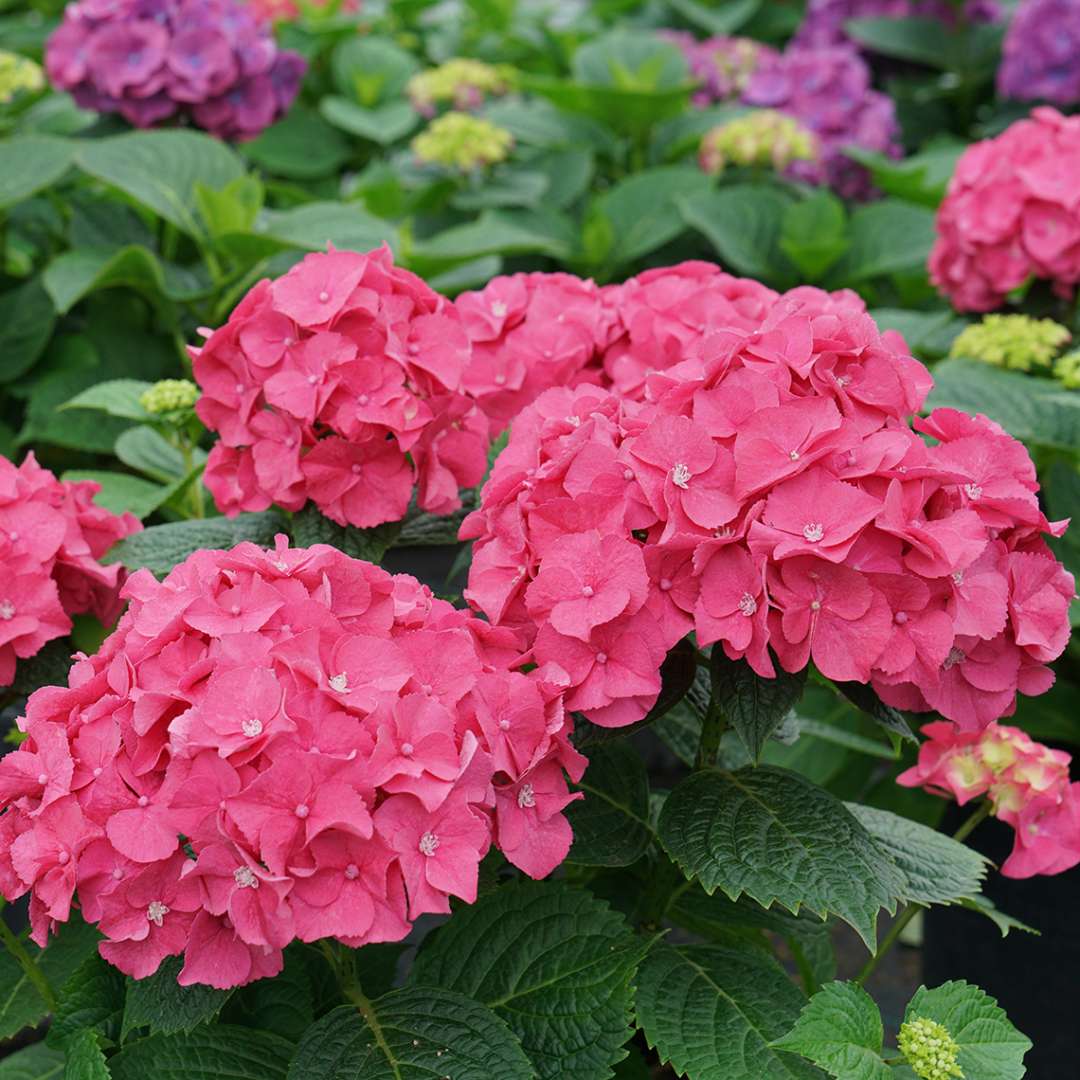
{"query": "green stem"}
{"type": "Point", "coordinates": [909, 913]}
{"type": "Point", "coordinates": [806, 972]}
{"type": "Point", "coordinates": [26, 962]}
{"type": "Point", "coordinates": [345, 972]}
{"type": "Point", "coordinates": [713, 727]}
{"type": "Point", "coordinates": [195, 492]}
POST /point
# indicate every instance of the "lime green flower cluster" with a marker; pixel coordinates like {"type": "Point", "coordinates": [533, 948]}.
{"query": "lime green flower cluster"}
{"type": "Point", "coordinates": [1067, 370]}
{"type": "Point", "coordinates": [762, 137]}
{"type": "Point", "coordinates": [929, 1049]}
{"type": "Point", "coordinates": [1018, 342]}
{"type": "Point", "coordinates": [460, 141]}
{"type": "Point", "coordinates": [18, 75]}
{"type": "Point", "coordinates": [169, 396]}
{"type": "Point", "coordinates": [462, 83]}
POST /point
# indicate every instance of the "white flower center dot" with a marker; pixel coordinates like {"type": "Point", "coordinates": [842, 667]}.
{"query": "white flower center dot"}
{"type": "Point", "coordinates": [972, 491]}
{"type": "Point", "coordinates": [302, 811]}
{"type": "Point", "coordinates": [352, 871]}
{"type": "Point", "coordinates": [813, 531]}
{"type": "Point", "coordinates": [324, 297]}
{"type": "Point", "coordinates": [7, 610]}
{"type": "Point", "coordinates": [815, 605]}
{"type": "Point", "coordinates": [251, 727]}
{"type": "Point", "coordinates": [429, 843]}
{"type": "Point", "coordinates": [339, 683]}
{"type": "Point", "coordinates": [680, 475]}
{"type": "Point", "coordinates": [156, 912]}
{"type": "Point", "coordinates": [407, 749]}
{"type": "Point", "coordinates": [245, 878]}
{"type": "Point", "coordinates": [747, 604]}
{"type": "Point", "coordinates": [601, 657]}
{"type": "Point", "coordinates": [587, 590]}
{"type": "Point", "coordinates": [526, 796]}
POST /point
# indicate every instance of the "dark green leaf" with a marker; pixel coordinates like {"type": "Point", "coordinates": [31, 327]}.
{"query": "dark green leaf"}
{"type": "Point", "coordinates": [37, 1062]}
{"type": "Point", "coordinates": [863, 697]}
{"type": "Point", "coordinates": [117, 397]}
{"type": "Point", "coordinates": [384, 124]}
{"type": "Point", "coordinates": [929, 334]}
{"type": "Point", "coordinates": [721, 19]}
{"type": "Point", "coordinates": [630, 60]}
{"type": "Point", "coordinates": [31, 163]}
{"type": "Point", "coordinates": [1004, 922]}
{"type": "Point", "coordinates": [887, 237]}
{"type": "Point", "coordinates": [284, 1004]}
{"type": "Point", "coordinates": [753, 706]}
{"type": "Point", "coordinates": [371, 70]}
{"type": "Point", "coordinates": [27, 318]}
{"type": "Point", "coordinates": [93, 997]}
{"type": "Point", "coordinates": [813, 234]}
{"type": "Point", "coordinates": [74, 274]}
{"type": "Point", "coordinates": [160, 1004]}
{"type": "Point", "coordinates": [309, 527]}
{"type": "Point", "coordinates": [84, 1059]}
{"type": "Point", "coordinates": [122, 492]}
{"type": "Point", "coordinates": [501, 232]}
{"type": "Point", "coordinates": [216, 1052]}
{"type": "Point", "coordinates": [302, 146]}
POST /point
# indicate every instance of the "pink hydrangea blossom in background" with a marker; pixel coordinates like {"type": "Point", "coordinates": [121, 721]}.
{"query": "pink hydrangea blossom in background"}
{"type": "Point", "coordinates": [341, 382]}
{"type": "Point", "coordinates": [1011, 214]}
{"type": "Point", "coordinates": [290, 10]}
{"type": "Point", "coordinates": [51, 538]}
{"type": "Point", "coordinates": [337, 749]}
{"type": "Point", "coordinates": [722, 65]}
{"type": "Point", "coordinates": [744, 464]}
{"type": "Point", "coordinates": [212, 62]}
{"type": "Point", "coordinates": [1027, 784]}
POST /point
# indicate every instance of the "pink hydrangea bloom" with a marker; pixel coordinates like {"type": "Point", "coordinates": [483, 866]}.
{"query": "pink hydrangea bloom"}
{"type": "Point", "coordinates": [213, 61]}
{"type": "Point", "coordinates": [1011, 214]}
{"type": "Point", "coordinates": [51, 538]}
{"type": "Point", "coordinates": [1027, 784]}
{"type": "Point", "coordinates": [341, 382]}
{"type": "Point", "coordinates": [337, 749]}
{"type": "Point", "coordinates": [745, 465]}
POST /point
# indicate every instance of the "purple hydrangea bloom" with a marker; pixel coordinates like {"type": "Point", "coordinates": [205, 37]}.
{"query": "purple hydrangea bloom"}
{"type": "Point", "coordinates": [828, 91]}
{"type": "Point", "coordinates": [211, 61]}
{"type": "Point", "coordinates": [723, 65]}
{"type": "Point", "coordinates": [824, 21]}
{"type": "Point", "coordinates": [1041, 55]}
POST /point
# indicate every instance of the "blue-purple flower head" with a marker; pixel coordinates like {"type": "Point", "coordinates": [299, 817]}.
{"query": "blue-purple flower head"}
{"type": "Point", "coordinates": [828, 91]}
{"type": "Point", "coordinates": [1041, 54]}
{"type": "Point", "coordinates": [825, 19]}
{"type": "Point", "coordinates": [210, 61]}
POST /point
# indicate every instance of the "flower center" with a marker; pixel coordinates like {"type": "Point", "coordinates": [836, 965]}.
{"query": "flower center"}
{"type": "Point", "coordinates": [251, 726]}
{"type": "Point", "coordinates": [815, 605]}
{"type": "Point", "coordinates": [156, 912]}
{"type": "Point", "coordinates": [352, 871]}
{"type": "Point", "coordinates": [973, 491]}
{"type": "Point", "coordinates": [245, 878]}
{"type": "Point", "coordinates": [526, 796]}
{"type": "Point", "coordinates": [954, 658]}
{"type": "Point", "coordinates": [324, 297]}
{"type": "Point", "coordinates": [7, 610]}
{"type": "Point", "coordinates": [339, 683]}
{"type": "Point", "coordinates": [498, 309]}
{"type": "Point", "coordinates": [429, 844]}
{"type": "Point", "coordinates": [813, 531]}
{"type": "Point", "coordinates": [747, 604]}
{"type": "Point", "coordinates": [407, 749]}
{"type": "Point", "coordinates": [794, 455]}
{"type": "Point", "coordinates": [587, 590]}
{"type": "Point", "coordinates": [665, 584]}
{"type": "Point", "coordinates": [958, 577]}
{"type": "Point", "coordinates": [302, 810]}
{"type": "Point", "coordinates": [680, 475]}
{"type": "Point", "coordinates": [900, 618]}
{"type": "Point", "coordinates": [601, 657]}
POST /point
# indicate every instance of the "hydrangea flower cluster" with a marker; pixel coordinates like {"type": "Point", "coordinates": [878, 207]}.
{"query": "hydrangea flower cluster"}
{"type": "Point", "coordinates": [1041, 53]}
{"type": "Point", "coordinates": [929, 1049]}
{"type": "Point", "coordinates": [824, 21]}
{"type": "Point", "coordinates": [463, 142]}
{"type": "Point", "coordinates": [275, 745]}
{"type": "Point", "coordinates": [1027, 784]}
{"type": "Point", "coordinates": [761, 138]}
{"type": "Point", "coordinates": [766, 491]}
{"type": "Point", "coordinates": [51, 538]}
{"type": "Point", "coordinates": [18, 75]}
{"type": "Point", "coordinates": [340, 382]}
{"type": "Point", "coordinates": [1018, 342]}
{"type": "Point", "coordinates": [1010, 214]}
{"type": "Point", "coordinates": [1067, 370]}
{"type": "Point", "coordinates": [828, 90]}
{"type": "Point", "coordinates": [461, 83]}
{"type": "Point", "coordinates": [169, 396]}
{"type": "Point", "coordinates": [722, 65]}
{"type": "Point", "coordinates": [214, 61]}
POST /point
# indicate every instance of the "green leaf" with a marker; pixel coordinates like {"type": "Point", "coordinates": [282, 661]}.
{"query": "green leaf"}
{"type": "Point", "coordinates": [990, 1047]}
{"type": "Point", "coordinates": [743, 223]}
{"type": "Point", "coordinates": [31, 163]}
{"type": "Point", "coordinates": [302, 146]}
{"type": "Point", "coordinates": [415, 1033]}
{"type": "Point", "coordinates": [309, 527]}
{"type": "Point", "coordinates": [501, 232]}
{"type": "Point", "coordinates": [1003, 921]}
{"type": "Point", "coordinates": [160, 169]}
{"type": "Point", "coordinates": [162, 1005]}
{"type": "Point", "coordinates": [75, 274]}
{"type": "Point", "coordinates": [27, 317]}
{"type": "Point", "coordinates": [232, 209]}
{"type": "Point", "coordinates": [371, 70]}
{"type": "Point", "coordinates": [920, 178]}
{"type": "Point", "coordinates": [724, 19]}
{"type": "Point", "coordinates": [147, 450]}
{"type": "Point", "coordinates": [776, 837]}
{"type": "Point", "coordinates": [864, 697]}
{"type": "Point", "coordinates": [161, 547]}
{"type": "Point", "coordinates": [284, 1004]}
{"type": "Point", "coordinates": [712, 1011]}
{"type": "Point", "coordinates": [1031, 409]}
{"type": "Point", "coordinates": [887, 237]}
{"type": "Point", "coordinates": [384, 124]}
{"type": "Point", "coordinates": [611, 825]}
{"type": "Point", "coordinates": [37, 1062]}
{"type": "Point", "coordinates": [117, 397]}
{"type": "Point", "coordinates": [753, 706]}
{"type": "Point", "coordinates": [840, 1029]}
{"type": "Point", "coordinates": [553, 962]}
{"type": "Point", "coordinates": [314, 225]}
{"type": "Point", "coordinates": [122, 492]}
{"type": "Point", "coordinates": [926, 41]}
{"type": "Point", "coordinates": [929, 334]}
{"type": "Point", "coordinates": [630, 59]}
{"type": "Point", "coordinates": [84, 1059]}
{"type": "Point", "coordinates": [813, 234]}
{"type": "Point", "coordinates": [92, 998]}
{"type": "Point", "coordinates": [217, 1052]}
{"type": "Point", "coordinates": [939, 869]}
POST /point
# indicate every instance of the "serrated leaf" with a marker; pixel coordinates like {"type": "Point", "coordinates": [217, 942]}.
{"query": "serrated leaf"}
{"type": "Point", "coordinates": [215, 1052]}
{"type": "Point", "coordinates": [284, 1004]}
{"type": "Point", "coordinates": [161, 547]}
{"type": "Point", "coordinates": [611, 824]}
{"type": "Point", "coordinates": [37, 1062]}
{"type": "Point", "coordinates": [116, 397]}
{"type": "Point", "coordinates": [1002, 920]}
{"type": "Point", "coordinates": [413, 1034]}
{"type": "Point", "coordinates": [939, 869]}
{"type": "Point", "coordinates": [712, 1011]}
{"type": "Point", "coordinates": [83, 1058]}
{"type": "Point", "coordinates": [865, 698]}
{"type": "Point", "coordinates": [310, 526]}
{"type": "Point", "coordinates": [755, 707]}
{"type": "Point", "coordinates": [162, 1005]}
{"type": "Point", "coordinates": [93, 997]}
{"type": "Point", "coordinates": [552, 961]}
{"type": "Point", "coordinates": [776, 837]}
{"type": "Point", "coordinates": [990, 1046]}
{"type": "Point", "coordinates": [840, 1029]}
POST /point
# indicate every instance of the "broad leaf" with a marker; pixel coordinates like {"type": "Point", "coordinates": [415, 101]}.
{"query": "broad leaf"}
{"type": "Point", "coordinates": [840, 1029]}
{"type": "Point", "coordinates": [31, 163]}
{"type": "Point", "coordinates": [630, 60]}
{"type": "Point", "coordinates": [611, 825]}
{"type": "Point", "coordinates": [27, 317]}
{"type": "Point", "coordinates": [1003, 921]}
{"type": "Point", "coordinates": [384, 124]}
{"type": "Point", "coordinates": [990, 1047]}
{"type": "Point", "coordinates": [929, 334]}
{"type": "Point", "coordinates": [93, 997]}
{"type": "Point", "coordinates": [37, 1062]}
{"type": "Point", "coordinates": [719, 19]}
{"type": "Point", "coordinates": [81, 271]}
{"type": "Point", "coordinates": [865, 698]}
{"type": "Point", "coordinates": [372, 70]}
{"type": "Point", "coordinates": [345, 225]}
{"type": "Point", "coordinates": [712, 1012]}
{"type": "Point", "coordinates": [501, 232]}
{"type": "Point", "coordinates": [160, 1004]}
{"type": "Point", "coordinates": [776, 837]}
{"type": "Point", "coordinates": [554, 963]}
{"type": "Point", "coordinates": [147, 450]}
{"type": "Point", "coordinates": [753, 706]}
{"type": "Point", "coordinates": [813, 234]}
{"type": "Point", "coordinates": [887, 237]}
{"type": "Point", "coordinates": [411, 1035]}
{"type": "Point", "coordinates": [284, 1004]}
{"type": "Point", "coordinates": [117, 397]}
{"type": "Point", "coordinates": [302, 146]}
{"type": "Point", "coordinates": [214, 1052]}
{"type": "Point", "coordinates": [309, 526]}
{"type": "Point", "coordinates": [84, 1058]}
{"type": "Point", "coordinates": [161, 547]}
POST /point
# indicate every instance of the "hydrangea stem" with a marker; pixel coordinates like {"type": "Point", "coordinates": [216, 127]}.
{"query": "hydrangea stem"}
{"type": "Point", "coordinates": [36, 976]}
{"type": "Point", "coordinates": [712, 728]}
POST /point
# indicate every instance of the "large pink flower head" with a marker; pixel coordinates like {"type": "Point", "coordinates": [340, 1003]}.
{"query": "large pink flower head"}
{"type": "Point", "coordinates": [1011, 213]}
{"type": "Point", "coordinates": [212, 61]}
{"type": "Point", "coordinates": [275, 745]}
{"type": "Point", "coordinates": [341, 382]}
{"type": "Point", "coordinates": [1027, 784]}
{"type": "Point", "coordinates": [762, 486]}
{"type": "Point", "coordinates": [51, 538]}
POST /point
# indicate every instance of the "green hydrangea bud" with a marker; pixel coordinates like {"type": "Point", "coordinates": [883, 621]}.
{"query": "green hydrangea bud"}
{"type": "Point", "coordinates": [929, 1049]}
{"type": "Point", "coordinates": [761, 138]}
{"type": "Point", "coordinates": [1018, 342]}
{"type": "Point", "coordinates": [18, 75]}
{"type": "Point", "coordinates": [169, 395]}
{"type": "Point", "coordinates": [462, 83]}
{"type": "Point", "coordinates": [1067, 370]}
{"type": "Point", "coordinates": [460, 141]}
